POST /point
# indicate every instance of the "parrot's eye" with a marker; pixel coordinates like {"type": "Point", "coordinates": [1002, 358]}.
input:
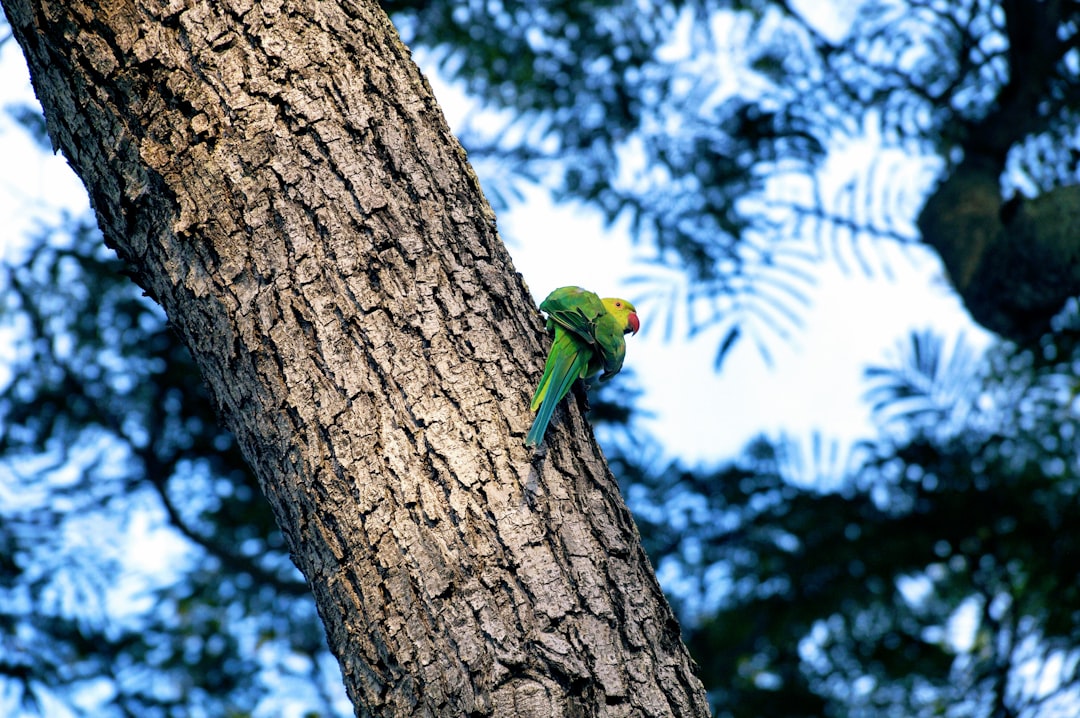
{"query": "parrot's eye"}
{"type": "Point", "coordinates": [618, 305]}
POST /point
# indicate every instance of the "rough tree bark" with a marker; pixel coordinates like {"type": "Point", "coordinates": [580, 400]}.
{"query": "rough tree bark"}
{"type": "Point", "coordinates": [278, 175]}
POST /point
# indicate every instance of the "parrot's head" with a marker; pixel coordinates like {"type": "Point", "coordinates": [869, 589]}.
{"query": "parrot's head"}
{"type": "Point", "coordinates": [626, 314]}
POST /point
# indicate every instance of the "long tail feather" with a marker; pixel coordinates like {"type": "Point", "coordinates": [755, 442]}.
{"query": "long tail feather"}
{"type": "Point", "coordinates": [565, 363]}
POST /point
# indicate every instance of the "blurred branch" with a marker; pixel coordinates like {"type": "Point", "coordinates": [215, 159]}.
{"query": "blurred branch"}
{"type": "Point", "coordinates": [157, 474]}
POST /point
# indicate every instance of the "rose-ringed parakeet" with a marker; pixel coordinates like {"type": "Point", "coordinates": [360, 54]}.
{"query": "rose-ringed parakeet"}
{"type": "Point", "coordinates": [588, 339]}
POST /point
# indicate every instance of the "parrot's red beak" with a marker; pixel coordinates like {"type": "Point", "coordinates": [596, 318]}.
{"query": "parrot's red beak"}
{"type": "Point", "coordinates": [633, 322]}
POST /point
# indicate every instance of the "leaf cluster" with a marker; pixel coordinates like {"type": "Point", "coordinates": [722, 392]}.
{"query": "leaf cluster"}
{"type": "Point", "coordinates": [712, 128]}
{"type": "Point", "coordinates": [934, 575]}
{"type": "Point", "coordinates": [141, 570]}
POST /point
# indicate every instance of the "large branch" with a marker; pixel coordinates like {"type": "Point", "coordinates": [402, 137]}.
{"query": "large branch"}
{"type": "Point", "coordinates": [282, 181]}
{"type": "Point", "coordinates": [1014, 264]}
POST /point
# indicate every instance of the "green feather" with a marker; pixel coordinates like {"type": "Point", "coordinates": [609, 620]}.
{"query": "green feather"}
{"type": "Point", "coordinates": [588, 339]}
{"type": "Point", "coordinates": [567, 361]}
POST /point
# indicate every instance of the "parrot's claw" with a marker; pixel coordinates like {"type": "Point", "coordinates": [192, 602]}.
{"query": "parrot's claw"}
{"type": "Point", "coordinates": [584, 386]}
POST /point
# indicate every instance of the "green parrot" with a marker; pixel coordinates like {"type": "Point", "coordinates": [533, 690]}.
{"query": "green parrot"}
{"type": "Point", "coordinates": [588, 338]}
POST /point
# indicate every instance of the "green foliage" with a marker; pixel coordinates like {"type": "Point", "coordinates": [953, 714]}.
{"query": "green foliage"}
{"type": "Point", "coordinates": [940, 570]}
{"type": "Point", "coordinates": [708, 126]}
{"type": "Point", "coordinates": [142, 572]}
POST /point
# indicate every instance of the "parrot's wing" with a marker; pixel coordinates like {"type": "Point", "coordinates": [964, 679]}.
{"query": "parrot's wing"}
{"type": "Point", "coordinates": [567, 361]}
{"type": "Point", "coordinates": [576, 310]}
{"type": "Point", "coordinates": [612, 346]}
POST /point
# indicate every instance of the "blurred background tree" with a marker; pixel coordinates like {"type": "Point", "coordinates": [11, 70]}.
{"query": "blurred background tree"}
{"type": "Point", "coordinates": [935, 575]}
{"type": "Point", "coordinates": [929, 572]}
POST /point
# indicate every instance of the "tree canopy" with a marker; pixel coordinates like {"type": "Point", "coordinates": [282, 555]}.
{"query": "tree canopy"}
{"type": "Point", "coordinates": [708, 123]}
{"type": "Point", "coordinates": [930, 573]}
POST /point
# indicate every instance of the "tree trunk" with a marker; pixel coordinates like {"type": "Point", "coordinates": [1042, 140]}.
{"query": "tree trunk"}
{"type": "Point", "coordinates": [279, 177]}
{"type": "Point", "coordinates": [1014, 264]}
